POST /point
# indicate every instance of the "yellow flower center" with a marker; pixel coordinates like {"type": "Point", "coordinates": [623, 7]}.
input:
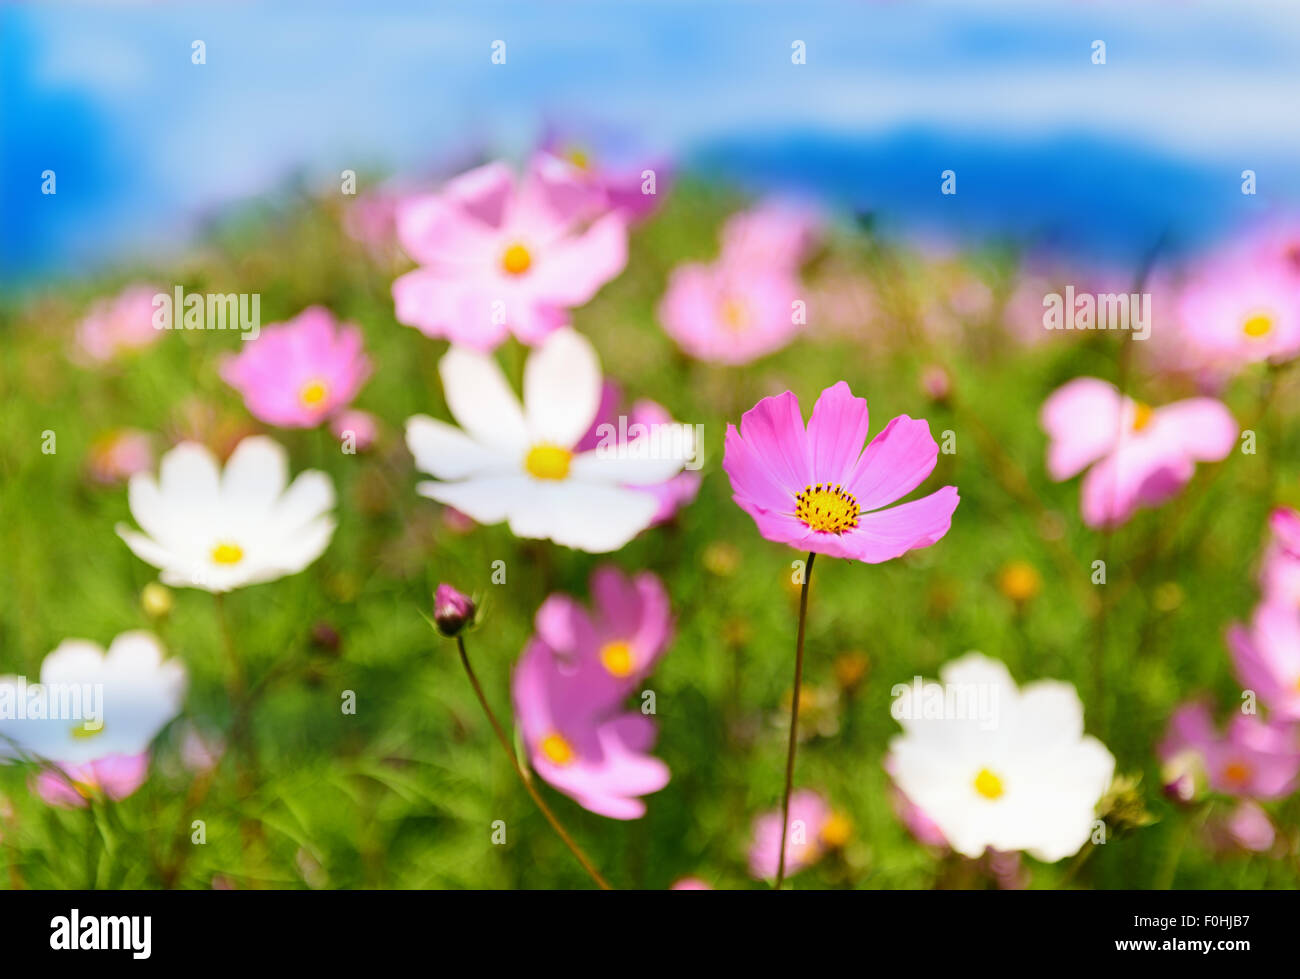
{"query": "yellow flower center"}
{"type": "Point", "coordinates": [734, 314]}
{"type": "Point", "coordinates": [617, 657]}
{"type": "Point", "coordinates": [84, 730]}
{"type": "Point", "coordinates": [85, 789]}
{"type": "Point", "coordinates": [1020, 581]}
{"type": "Point", "coordinates": [227, 553]}
{"type": "Point", "coordinates": [1236, 772]}
{"type": "Point", "coordinates": [837, 830]}
{"type": "Point", "coordinates": [988, 785]}
{"type": "Point", "coordinates": [557, 749]}
{"type": "Point", "coordinates": [1259, 325]}
{"type": "Point", "coordinates": [517, 259]}
{"type": "Point", "coordinates": [313, 393]}
{"type": "Point", "coordinates": [579, 157]}
{"type": "Point", "coordinates": [826, 508]}
{"type": "Point", "coordinates": [1142, 413]}
{"type": "Point", "coordinates": [546, 461]}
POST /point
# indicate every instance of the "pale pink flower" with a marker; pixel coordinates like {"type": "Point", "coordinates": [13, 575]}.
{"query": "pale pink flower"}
{"type": "Point", "coordinates": [1238, 310]}
{"type": "Point", "coordinates": [498, 256]}
{"type": "Point", "coordinates": [119, 455]}
{"type": "Point", "coordinates": [817, 490]}
{"type": "Point", "coordinates": [1267, 658]}
{"type": "Point", "coordinates": [297, 374]}
{"type": "Point", "coordinates": [1140, 456]}
{"type": "Point", "coordinates": [613, 168]}
{"type": "Point", "coordinates": [776, 234]}
{"type": "Point", "coordinates": [1253, 759]}
{"type": "Point", "coordinates": [1280, 574]}
{"type": "Point", "coordinates": [1250, 827]}
{"type": "Point", "coordinates": [809, 814]}
{"type": "Point", "coordinates": [123, 323]}
{"type": "Point", "coordinates": [360, 426]}
{"type": "Point", "coordinates": [690, 884]}
{"type": "Point", "coordinates": [72, 786]}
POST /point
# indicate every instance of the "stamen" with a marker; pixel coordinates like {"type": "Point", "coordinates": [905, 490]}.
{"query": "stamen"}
{"type": "Point", "coordinates": [988, 785]}
{"type": "Point", "coordinates": [1257, 326]}
{"type": "Point", "coordinates": [1142, 413]}
{"type": "Point", "coordinates": [313, 393]}
{"type": "Point", "coordinates": [557, 749]}
{"type": "Point", "coordinates": [84, 730]}
{"type": "Point", "coordinates": [227, 553]}
{"type": "Point", "coordinates": [826, 508]}
{"type": "Point", "coordinates": [617, 658]}
{"type": "Point", "coordinates": [516, 259]}
{"type": "Point", "coordinates": [546, 461]}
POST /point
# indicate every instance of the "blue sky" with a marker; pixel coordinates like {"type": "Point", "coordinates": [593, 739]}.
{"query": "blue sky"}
{"type": "Point", "coordinates": [1048, 146]}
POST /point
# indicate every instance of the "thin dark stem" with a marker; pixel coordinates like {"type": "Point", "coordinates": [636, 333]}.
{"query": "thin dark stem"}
{"type": "Point", "coordinates": [794, 717]}
{"type": "Point", "coordinates": [523, 776]}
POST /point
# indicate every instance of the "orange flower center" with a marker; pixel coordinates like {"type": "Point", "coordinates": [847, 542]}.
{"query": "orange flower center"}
{"type": "Point", "coordinates": [1142, 413]}
{"type": "Point", "coordinates": [617, 658]}
{"type": "Point", "coordinates": [517, 259]}
{"type": "Point", "coordinates": [1236, 772]}
{"type": "Point", "coordinates": [557, 749]}
{"type": "Point", "coordinates": [313, 393]}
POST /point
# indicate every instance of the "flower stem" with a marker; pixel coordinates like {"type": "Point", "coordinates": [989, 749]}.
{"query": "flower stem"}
{"type": "Point", "coordinates": [523, 776]}
{"type": "Point", "coordinates": [794, 717]}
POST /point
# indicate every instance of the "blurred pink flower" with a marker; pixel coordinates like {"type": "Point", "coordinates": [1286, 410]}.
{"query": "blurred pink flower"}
{"type": "Point", "coordinates": [1140, 456]}
{"type": "Point", "coordinates": [742, 306]}
{"type": "Point", "coordinates": [913, 818]}
{"type": "Point", "coordinates": [498, 256]}
{"type": "Point", "coordinates": [1238, 310]}
{"type": "Point", "coordinates": [809, 814]}
{"type": "Point", "coordinates": [612, 170]}
{"type": "Point", "coordinates": [1250, 827]}
{"type": "Point", "coordinates": [1267, 658]}
{"type": "Point", "coordinates": [570, 684]}
{"type": "Point", "coordinates": [1280, 572]}
{"type": "Point", "coordinates": [201, 752]}
{"type": "Point", "coordinates": [672, 494]}
{"type": "Point", "coordinates": [113, 326]}
{"type": "Point", "coordinates": [71, 786]}
{"type": "Point", "coordinates": [297, 374]}
{"type": "Point", "coordinates": [1254, 759]}
{"type": "Point", "coordinates": [361, 426]}
{"type": "Point", "coordinates": [817, 490]}
{"type": "Point", "coordinates": [690, 884]}
{"type": "Point", "coordinates": [119, 455]}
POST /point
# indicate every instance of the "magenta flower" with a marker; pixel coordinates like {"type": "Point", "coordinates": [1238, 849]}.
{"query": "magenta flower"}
{"type": "Point", "coordinates": [570, 684]}
{"type": "Point", "coordinates": [1239, 309]}
{"type": "Point", "coordinates": [297, 374]}
{"type": "Point", "coordinates": [817, 490]}
{"type": "Point", "coordinates": [809, 815]}
{"type": "Point", "coordinates": [598, 756]}
{"type": "Point", "coordinates": [1254, 759]}
{"type": "Point", "coordinates": [1140, 456]}
{"type": "Point", "coordinates": [1267, 658]}
{"type": "Point", "coordinates": [114, 326]}
{"type": "Point", "coordinates": [1280, 574]}
{"type": "Point", "coordinates": [72, 786]}
{"type": "Point", "coordinates": [499, 257]}
{"type": "Point", "coordinates": [641, 421]}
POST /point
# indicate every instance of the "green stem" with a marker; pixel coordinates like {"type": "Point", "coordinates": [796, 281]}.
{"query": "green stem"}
{"type": "Point", "coordinates": [523, 777]}
{"type": "Point", "coordinates": [794, 717]}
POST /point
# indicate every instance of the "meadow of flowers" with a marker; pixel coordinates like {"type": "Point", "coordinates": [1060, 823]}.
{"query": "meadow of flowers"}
{"type": "Point", "coordinates": [500, 555]}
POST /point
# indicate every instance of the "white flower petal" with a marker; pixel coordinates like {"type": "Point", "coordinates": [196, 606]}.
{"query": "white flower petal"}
{"type": "Point", "coordinates": [481, 401]}
{"type": "Point", "coordinates": [308, 497]}
{"type": "Point", "coordinates": [585, 516]}
{"type": "Point", "coordinates": [487, 500]}
{"type": "Point", "coordinates": [448, 453]}
{"type": "Point", "coordinates": [562, 388]}
{"type": "Point", "coordinates": [598, 466]}
{"type": "Point", "coordinates": [255, 474]}
{"type": "Point", "coordinates": [189, 474]}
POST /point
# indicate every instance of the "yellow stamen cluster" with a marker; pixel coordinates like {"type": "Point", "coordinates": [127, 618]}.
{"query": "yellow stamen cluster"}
{"type": "Point", "coordinates": [988, 784]}
{"type": "Point", "coordinates": [826, 508]}
{"type": "Point", "coordinates": [557, 749]}
{"type": "Point", "coordinates": [1257, 326]}
{"type": "Point", "coordinates": [734, 314]}
{"type": "Point", "coordinates": [617, 658]}
{"type": "Point", "coordinates": [313, 393]}
{"type": "Point", "coordinates": [1142, 413]}
{"type": "Point", "coordinates": [1237, 772]}
{"type": "Point", "coordinates": [227, 553]}
{"type": "Point", "coordinates": [546, 461]}
{"type": "Point", "coordinates": [517, 259]}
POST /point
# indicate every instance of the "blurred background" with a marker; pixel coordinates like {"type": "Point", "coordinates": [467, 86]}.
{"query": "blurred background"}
{"type": "Point", "coordinates": [1049, 147]}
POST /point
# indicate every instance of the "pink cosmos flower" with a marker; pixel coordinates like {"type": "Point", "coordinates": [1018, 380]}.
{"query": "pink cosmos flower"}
{"type": "Point", "coordinates": [1280, 575]}
{"type": "Point", "coordinates": [598, 756]}
{"type": "Point", "coordinates": [113, 326]}
{"type": "Point", "coordinates": [569, 688]}
{"type": "Point", "coordinates": [499, 257]}
{"type": "Point", "coordinates": [817, 490]}
{"type": "Point", "coordinates": [641, 420]}
{"type": "Point", "coordinates": [1238, 309]}
{"type": "Point", "coordinates": [690, 884]}
{"type": "Point", "coordinates": [1254, 759]}
{"type": "Point", "coordinates": [809, 814]}
{"type": "Point", "coordinates": [742, 306]}
{"type": "Point", "coordinates": [360, 426]}
{"type": "Point", "coordinates": [119, 455]}
{"type": "Point", "coordinates": [1250, 827]}
{"type": "Point", "coordinates": [71, 786]}
{"type": "Point", "coordinates": [1140, 456]}
{"type": "Point", "coordinates": [1267, 658]}
{"type": "Point", "coordinates": [297, 374]}
{"type": "Point", "coordinates": [611, 166]}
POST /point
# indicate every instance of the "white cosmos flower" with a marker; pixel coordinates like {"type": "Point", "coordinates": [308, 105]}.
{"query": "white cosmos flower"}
{"type": "Point", "coordinates": [133, 691]}
{"type": "Point", "coordinates": [221, 530]}
{"type": "Point", "coordinates": [1019, 774]}
{"type": "Point", "coordinates": [518, 464]}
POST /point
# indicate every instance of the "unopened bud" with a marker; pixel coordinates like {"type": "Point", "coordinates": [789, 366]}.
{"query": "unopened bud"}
{"type": "Point", "coordinates": [452, 611]}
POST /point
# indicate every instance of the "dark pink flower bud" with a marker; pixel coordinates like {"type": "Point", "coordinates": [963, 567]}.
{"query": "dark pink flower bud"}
{"type": "Point", "coordinates": [452, 611]}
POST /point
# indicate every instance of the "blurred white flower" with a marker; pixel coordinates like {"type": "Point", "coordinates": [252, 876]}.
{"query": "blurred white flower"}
{"type": "Point", "coordinates": [118, 701]}
{"type": "Point", "coordinates": [1021, 776]}
{"type": "Point", "coordinates": [205, 528]}
{"type": "Point", "coordinates": [521, 465]}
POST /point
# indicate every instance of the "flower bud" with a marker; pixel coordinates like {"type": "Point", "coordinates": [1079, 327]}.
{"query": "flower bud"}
{"type": "Point", "coordinates": [452, 611]}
